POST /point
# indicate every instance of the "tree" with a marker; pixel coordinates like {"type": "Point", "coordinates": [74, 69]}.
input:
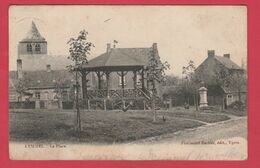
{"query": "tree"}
{"type": "Point", "coordinates": [188, 70]}
{"type": "Point", "coordinates": [236, 79]}
{"type": "Point", "coordinates": [172, 80]}
{"type": "Point", "coordinates": [190, 82]}
{"type": "Point", "coordinates": [155, 73]}
{"type": "Point", "coordinates": [60, 83]}
{"type": "Point", "coordinates": [79, 49]}
{"type": "Point", "coordinates": [239, 81]}
{"type": "Point", "coordinates": [20, 88]}
{"type": "Point", "coordinates": [232, 79]}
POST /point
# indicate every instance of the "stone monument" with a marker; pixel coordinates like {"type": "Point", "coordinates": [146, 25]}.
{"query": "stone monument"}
{"type": "Point", "coordinates": [203, 97]}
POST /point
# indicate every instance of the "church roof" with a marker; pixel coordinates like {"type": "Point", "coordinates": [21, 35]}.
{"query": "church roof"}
{"type": "Point", "coordinates": [33, 34]}
{"type": "Point", "coordinates": [43, 79]}
{"type": "Point", "coordinates": [40, 61]}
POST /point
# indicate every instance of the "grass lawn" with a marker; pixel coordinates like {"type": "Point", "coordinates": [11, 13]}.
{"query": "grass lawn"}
{"type": "Point", "coordinates": [236, 112]}
{"type": "Point", "coordinates": [197, 115]}
{"type": "Point", "coordinates": [99, 126]}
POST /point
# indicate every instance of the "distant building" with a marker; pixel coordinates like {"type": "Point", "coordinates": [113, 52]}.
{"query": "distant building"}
{"type": "Point", "coordinates": [44, 77]}
{"type": "Point", "coordinates": [213, 71]}
{"type": "Point", "coordinates": [119, 73]}
{"type": "Point", "coordinates": [46, 87]}
{"type": "Point", "coordinates": [33, 55]}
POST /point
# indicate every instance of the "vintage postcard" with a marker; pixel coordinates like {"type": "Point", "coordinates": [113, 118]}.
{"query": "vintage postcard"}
{"type": "Point", "coordinates": [127, 82]}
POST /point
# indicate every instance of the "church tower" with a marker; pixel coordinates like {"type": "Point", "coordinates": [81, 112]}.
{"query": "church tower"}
{"type": "Point", "coordinates": [33, 43]}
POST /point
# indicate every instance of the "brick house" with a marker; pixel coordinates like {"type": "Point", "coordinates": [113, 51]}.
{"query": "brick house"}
{"type": "Point", "coordinates": [47, 88]}
{"type": "Point", "coordinates": [212, 72]}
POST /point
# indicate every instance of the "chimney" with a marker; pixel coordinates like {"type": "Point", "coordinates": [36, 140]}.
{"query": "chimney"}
{"type": "Point", "coordinates": [211, 53]}
{"type": "Point", "coordinates": [108, 47]}
{"type": "Point", "coordinates": [48, 68]}
{"type": "Point", "coordinates": [227, 56]}
{"type": "Point", "coordinates": [154, 46]}
{"type": "Point", "coordinates": [19, 69]}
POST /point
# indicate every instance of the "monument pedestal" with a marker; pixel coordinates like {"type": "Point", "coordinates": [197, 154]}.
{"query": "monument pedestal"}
{"type": "Point", "coordinates": [203, 97]}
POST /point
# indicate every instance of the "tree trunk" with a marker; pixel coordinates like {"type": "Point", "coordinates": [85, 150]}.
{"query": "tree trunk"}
{"type": "Point", "coordinates": [223, 103]}
{"type": "Point", "coordinates": [239, 96]}
{"type": "Point", "coordinates": [154, 111]}
{"type": "Point", "coordinates": [196, 102]}
{"type": "Point", "coordinates": [84, 85]}
{"type": "Point", "coordinates": [153, 101]}
{"type": "Point", "coordinates": [77, 103]}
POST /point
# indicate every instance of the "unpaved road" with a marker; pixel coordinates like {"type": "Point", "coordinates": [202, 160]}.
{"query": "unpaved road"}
{"type": "Point", "coordinates": [236, 127]}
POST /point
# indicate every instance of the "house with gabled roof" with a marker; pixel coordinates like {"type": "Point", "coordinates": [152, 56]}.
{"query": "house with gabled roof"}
{"type": "Point", "coordinates": [214, 72]}
{"type": "Point", "coordinates": [43, 87]}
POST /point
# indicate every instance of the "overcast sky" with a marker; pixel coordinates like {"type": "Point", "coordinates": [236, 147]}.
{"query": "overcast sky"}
{"type": "Point", "coordinates": [182, 33]}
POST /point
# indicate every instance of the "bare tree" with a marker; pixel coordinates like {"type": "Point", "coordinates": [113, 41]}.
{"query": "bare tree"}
{"type": "Point", "coordinates": [156, 73]}
{"type": "Point", "coordinates": [79, 49]}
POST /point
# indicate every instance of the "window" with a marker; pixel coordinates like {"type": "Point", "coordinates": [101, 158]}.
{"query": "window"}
{"type": "Point", "coordinates": [38, 95]}
{"type": "Point", "coordinates": [120, 80]}
{"type": "Point", "coordinates": [37, 48]}
{"type": "Point", "coordinates": [229, 96]}
{"type": "Point", "coordinates": [29, 48]}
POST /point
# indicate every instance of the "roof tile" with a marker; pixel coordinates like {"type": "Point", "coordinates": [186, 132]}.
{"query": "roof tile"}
{"type": "Point", "coordinates": [33, 34]}
{"type": "Point", "coordinates": [227, 62]}
{"type": "Point", "coordinates": [43, 79]}
{"type": "Point", "coordinates": [122, 57]}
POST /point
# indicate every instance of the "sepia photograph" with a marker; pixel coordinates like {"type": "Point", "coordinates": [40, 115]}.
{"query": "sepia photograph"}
{"type": "Point", "coordinates": [128, 82]}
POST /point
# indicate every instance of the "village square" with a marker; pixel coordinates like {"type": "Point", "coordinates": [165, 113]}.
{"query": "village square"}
{"type": "Point", "coordinates": [123, 95]}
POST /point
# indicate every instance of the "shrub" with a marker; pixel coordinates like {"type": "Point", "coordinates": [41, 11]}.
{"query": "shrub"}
{"type": "Point", "coordinates": [237, 105]}
{"type": "Point", "coordinates": [67, 105]}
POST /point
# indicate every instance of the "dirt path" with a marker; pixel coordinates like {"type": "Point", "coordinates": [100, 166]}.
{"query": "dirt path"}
{"type": "Point", "coordinates": [235, 127]}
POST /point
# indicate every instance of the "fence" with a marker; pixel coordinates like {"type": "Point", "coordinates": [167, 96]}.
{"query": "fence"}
{"type": "Point", "coordinates": [22, 105]}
